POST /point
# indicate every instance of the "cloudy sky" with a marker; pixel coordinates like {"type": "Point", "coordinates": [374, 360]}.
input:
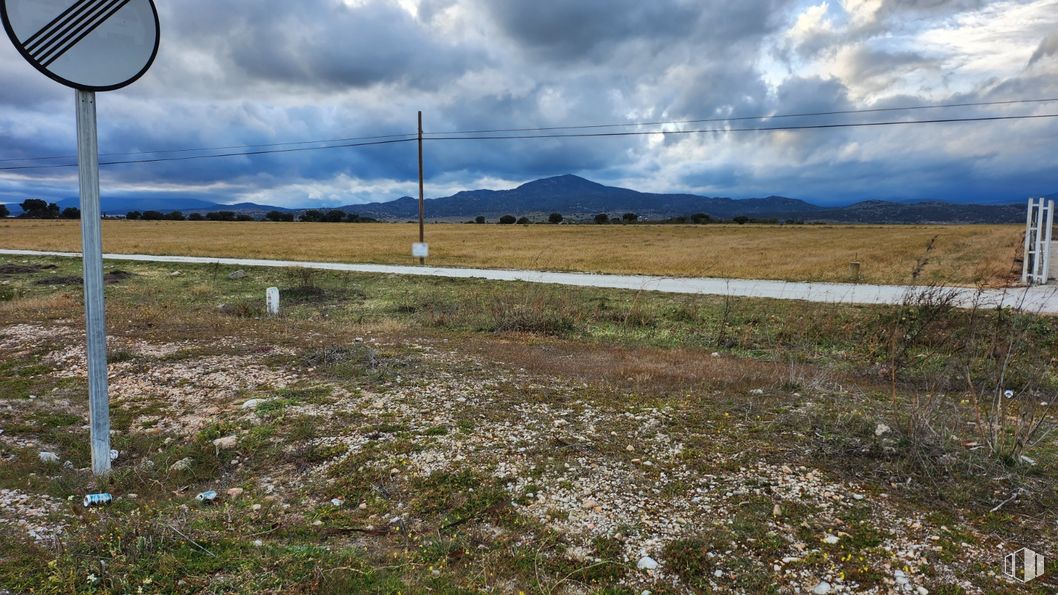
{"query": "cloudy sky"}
{"type": "Point", "coordinates": [248, 72]}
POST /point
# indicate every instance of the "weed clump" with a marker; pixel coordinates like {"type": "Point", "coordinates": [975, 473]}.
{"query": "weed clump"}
{"type": "Point", "coordinates": [542, 313]}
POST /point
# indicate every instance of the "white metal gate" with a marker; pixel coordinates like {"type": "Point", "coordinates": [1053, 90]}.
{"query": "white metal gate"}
{"type": "Point", "coordinates": [1038, 233]}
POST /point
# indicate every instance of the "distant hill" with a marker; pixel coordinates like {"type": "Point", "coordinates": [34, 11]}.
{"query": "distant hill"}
{"type": "Point", "coordinates": [120, 206]}
{"type": "Point", "coordinates": [577, 198]}
{"type": "Point", "coordinates": [573, 196]}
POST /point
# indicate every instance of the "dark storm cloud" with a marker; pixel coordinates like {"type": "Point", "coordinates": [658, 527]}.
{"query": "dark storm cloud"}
{"type": "Point", "coordinates": [321, 43]}
{"type": "Point", "coordinates": [252, 72]}
{"type": "Point", "coordinates": [592, 29]}
{"type": "Point", "coordinates": [1048, 47]}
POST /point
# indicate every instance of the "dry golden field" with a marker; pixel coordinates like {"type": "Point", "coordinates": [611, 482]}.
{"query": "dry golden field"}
{"type": "Point", "coordinates": [963, 255]}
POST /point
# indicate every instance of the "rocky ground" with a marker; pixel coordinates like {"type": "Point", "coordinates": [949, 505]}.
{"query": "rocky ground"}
{"type": "Point", "coordinates": [577, 463]}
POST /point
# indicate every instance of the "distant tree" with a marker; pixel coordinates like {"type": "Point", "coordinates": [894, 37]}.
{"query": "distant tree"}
{"type": "Point", "coordinates": [134, 215]}
{"type": "Point", "coordinates": [34, 208]}
{"type": "Point", "coordinates": [71, 213]}
{"type": "Point", "coordinates": [602, 219]}
{"type": "Point", "coordinates": [245, 217]}
{"type": "Point", "coordinates": [480, 220]}
{"type": "Point", "coordinates": [175, 216]}
{"type": "Point", "coordinates": [524, 221]}
{"type": "Point", "coordinates": [700, 218]}
{"type": "Point", "coordinates": [196, 217]}
{"type": "Point", "coordinates": [221, 216]}
{"type": "Point", "coordinates": [279, 216]}
{"type": "Point", "coordinates": [554, 218]}
{"type": "Point", "coordinates": [629, 217]}
{"type": "Point", "coordinates": [334, 216]}
{"type": "Point", "coordinates": [741, 220]}
{"type": "Point", "coordinates": [4, 212]}
{"type": "Point", "coordinates": [312, 216]}
{"type": "Point", "coordinates": [153, 216]}
{"type": "Point", "coordinates": [508, 220]}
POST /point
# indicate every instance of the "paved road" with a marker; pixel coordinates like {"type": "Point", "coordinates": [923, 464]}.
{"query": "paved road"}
{"type": "Point", "coordinates": [1041, 299]}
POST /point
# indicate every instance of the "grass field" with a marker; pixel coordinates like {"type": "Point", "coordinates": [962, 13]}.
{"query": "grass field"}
{"type": "Point", "coordinates": [962, 255]}
{"type": "Point", "coordinates": [388, 434]}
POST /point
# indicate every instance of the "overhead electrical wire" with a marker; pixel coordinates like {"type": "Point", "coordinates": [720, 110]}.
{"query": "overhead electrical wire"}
{"type": "Point", "coordinates": [194, 157]}
{"type": "Point", "coordinates": [757, 129]}
{"type": "Point", "coordinates": [560, 136]}
{"type": "Point", "coordinates": [410, 136]}
{"type": "Point", "coordinates": [764, 117]}
{"type": "Point", "coordinates": [413, 135]}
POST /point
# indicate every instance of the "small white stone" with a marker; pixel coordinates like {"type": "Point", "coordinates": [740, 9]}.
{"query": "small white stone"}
{"type": "Point", "coordinates": [647, 563]}
{"type": "Point", "coordinates": [114, 455]}
{"type": "Point", "coordinates": [822, 588]}
{"type": "Point", "coordinates": [48, 457]}
{"type": "Point", "coordinates": [858, 496]}
{"type": "Point", "coordinates": [901, 578]}
{"type": "Point", "coordinates": [718, 574]}
{"type": "Point", "coordinates": [226, 443]}
{"type": "Point", "coordinates": [336, 502]}
{"type": "Point", "coordinates": [253, 403]}
{"type": "Point", "coordinates": [881, 430]}
{"type": "Point", "coordinates": [922, 591]}
{"type": "Point", "coordinates": [831, 540]}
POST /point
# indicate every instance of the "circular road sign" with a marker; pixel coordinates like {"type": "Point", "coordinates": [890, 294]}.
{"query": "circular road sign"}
{"type": "Point", "coordinates": [91, 45]}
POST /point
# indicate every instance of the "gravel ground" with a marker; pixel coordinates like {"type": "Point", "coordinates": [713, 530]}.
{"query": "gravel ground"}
{"type": "Point", "coordinates": [586, 470]}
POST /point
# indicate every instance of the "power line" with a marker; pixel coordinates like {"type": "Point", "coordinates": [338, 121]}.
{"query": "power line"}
{"type": "Point", "coordinates": [558, 136]}
{"type": "Point", "coordinates": [413, 135]}
{"type": "Point", "coordinates": [765, 117]}
{"type": "Point", "coordinates": [194, 157]}
{"type": "Point", "coordinates": [764, 129]}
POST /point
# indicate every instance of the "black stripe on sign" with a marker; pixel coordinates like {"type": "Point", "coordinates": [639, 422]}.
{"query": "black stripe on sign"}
{"type": "Point", "coordinates": [47, 35]}
{"type": "Point", "coordinates": [81, 32]}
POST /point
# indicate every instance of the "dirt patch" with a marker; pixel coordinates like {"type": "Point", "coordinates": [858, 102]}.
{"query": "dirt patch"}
{"type": "Point", "coordinates": [25, 269]}
{"type": "Point", "coordinates": [109, 278]}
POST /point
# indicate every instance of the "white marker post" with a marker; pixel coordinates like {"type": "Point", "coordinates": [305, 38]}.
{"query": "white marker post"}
{"type": "Point", "coordinates": [272, 301]}
{"type": "Point", "coordinates": [91, 46]}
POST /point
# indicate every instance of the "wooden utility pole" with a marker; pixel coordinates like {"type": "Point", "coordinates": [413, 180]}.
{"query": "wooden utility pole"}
{"type": "Point", "coordinates": [422, 196]}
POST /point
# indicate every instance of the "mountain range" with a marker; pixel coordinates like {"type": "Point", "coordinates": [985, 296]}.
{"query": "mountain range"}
{"type": "Point", "coordinates": [577, 198]}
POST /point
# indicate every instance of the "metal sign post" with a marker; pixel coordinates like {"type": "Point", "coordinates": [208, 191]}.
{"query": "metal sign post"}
{"type": "Point", "coordinates": [89, 45]}
{"type": "Point", "coordinates": [92, 251]}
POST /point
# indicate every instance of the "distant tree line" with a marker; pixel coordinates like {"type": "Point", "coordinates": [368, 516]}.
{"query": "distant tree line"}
{"type": "Point", "coordinates": [310, 216]}
{"type": "Point", "coordinates": [331, 216]}
{"type": "Point", "coordinates": [633, 218]}
{"type": "Point", "coordinates": [34, 208]}
{"type": "Point", "coordinates": [557, 218]}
